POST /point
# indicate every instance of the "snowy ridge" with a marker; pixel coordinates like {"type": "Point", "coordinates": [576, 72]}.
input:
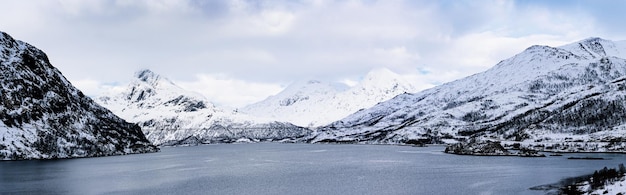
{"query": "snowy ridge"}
{"type": "Point", "coordinates": [542, 94]}
{"type": "Point", "coordinates": [42, 116]}
{"type": "Point", "coordinates": [170, 115]}
{"type": "Point", "coordinates": [150, 95]}
{"type": "Point", "coordinates": [314, 103]}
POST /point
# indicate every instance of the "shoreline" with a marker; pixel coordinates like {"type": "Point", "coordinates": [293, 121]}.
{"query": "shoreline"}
{"type": "Point", "coordinates": [600, 181]}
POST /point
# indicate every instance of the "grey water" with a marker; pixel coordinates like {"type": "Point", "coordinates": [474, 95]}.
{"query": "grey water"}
{"type": "Point", "coordinates": [294, 169]}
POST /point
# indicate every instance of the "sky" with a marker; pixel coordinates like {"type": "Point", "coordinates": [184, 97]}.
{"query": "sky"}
{"type": "Point", "coordinates": [236, 52]}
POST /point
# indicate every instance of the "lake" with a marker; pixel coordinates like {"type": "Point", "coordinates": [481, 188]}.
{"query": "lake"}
{"type": "Point", "coordinates": [273, 168]}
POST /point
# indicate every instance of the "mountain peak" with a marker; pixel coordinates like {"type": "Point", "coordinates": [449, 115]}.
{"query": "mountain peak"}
{"type": "Point", "coordinates": [381, 77]}
{"type": "Point", "coordinates": [597, 44]}
{"type": "Point", "coordinates": [150, 90]}
{"type": "Point", "coordinates": [10, 45]}
{"type": "Point", "coordinates": [594, 47]}
{"type": "Point", "coordinates": [5, 37]}
{"type": "Point", "coordinates": [594, 40]}
{"type": "Point", "coordinates": [384, 79]}
{"type": "Point", "coordinates": [537, 47]}
{"type": "Point", "coordinates": [146, 75]}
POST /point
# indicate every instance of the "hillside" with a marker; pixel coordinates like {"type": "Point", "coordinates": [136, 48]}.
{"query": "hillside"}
{"type": "Point", "coordinates": [42, 116]}
{"type": "Point", "coordinates": [547, 94]}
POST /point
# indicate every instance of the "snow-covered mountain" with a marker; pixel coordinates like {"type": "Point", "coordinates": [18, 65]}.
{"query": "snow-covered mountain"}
{"type": "Point", "coordinates": [575, 92]}
{"type": "Point", "coordinates": [42, 116]}
{"type": "Point", "coordinates": [315, 103]}
{"type": "Point", "coordinates": [170, 115]}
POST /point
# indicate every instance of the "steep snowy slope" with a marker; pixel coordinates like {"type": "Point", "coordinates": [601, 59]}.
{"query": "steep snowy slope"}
{"type": "Point", "coordinates": [315, 103]}
{"type": "Point", "coordinates": [42, 116]}
{"type": "Point", "coordinates": [576, 91]}
{"type": "Point", "coordinates": [170, 115]}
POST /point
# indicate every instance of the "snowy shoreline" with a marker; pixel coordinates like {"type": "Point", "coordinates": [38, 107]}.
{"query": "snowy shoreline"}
{"type": "Point", "coordinates": [604, 181]}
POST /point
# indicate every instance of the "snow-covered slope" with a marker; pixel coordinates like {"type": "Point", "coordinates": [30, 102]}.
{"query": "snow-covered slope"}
{"type": "Point", "coordinates": [315, 103]}
{"type": "Point", "coordinates": [577, 91]}
{"type": "Point", "coordinates": [42, 116]}
{"type": "Point", "coordinates": [170, 115]}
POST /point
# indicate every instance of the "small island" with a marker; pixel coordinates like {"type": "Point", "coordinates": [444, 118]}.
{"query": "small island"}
{"type": "Point", "coordinates": [585, 158]}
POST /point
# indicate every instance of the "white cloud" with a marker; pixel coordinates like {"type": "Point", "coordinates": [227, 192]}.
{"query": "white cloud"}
{"type": "Point", "coordinates": [223, 90]}
{"type": "Point", "coordinates": [94, 88]}
{"type": "Point", "coordinates": [396, 57]}
{"type": "Point", "coordinates": [254, 24]}
{"type": "Point", "coordinates": [260, 42]}
{"type": "Point", "coordinates": [88, 87]}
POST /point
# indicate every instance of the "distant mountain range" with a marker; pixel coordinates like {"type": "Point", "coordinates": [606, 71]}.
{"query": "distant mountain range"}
{"type": "Point", "coordinates": [42, 116]}
{"type": "Point", "coordinates": [576, 92]}
{"type": "Point", "coordinates": [545, 95]}
{"type": "Point", "coordinates": [170, 115]}
{"type": "Point", "coordinates": [315, 103]}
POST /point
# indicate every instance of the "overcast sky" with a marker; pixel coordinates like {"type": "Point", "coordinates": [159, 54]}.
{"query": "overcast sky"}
{"type": "Point", "coordinates": [237, 52]}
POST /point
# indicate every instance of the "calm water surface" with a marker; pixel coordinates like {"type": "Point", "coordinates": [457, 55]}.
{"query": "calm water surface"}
{"type": "Point", "coordinates": [294, 169]}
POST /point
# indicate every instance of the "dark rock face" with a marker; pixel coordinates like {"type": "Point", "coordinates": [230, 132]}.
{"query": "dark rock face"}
{"type": "Point", "coordinates": [42, 116]}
